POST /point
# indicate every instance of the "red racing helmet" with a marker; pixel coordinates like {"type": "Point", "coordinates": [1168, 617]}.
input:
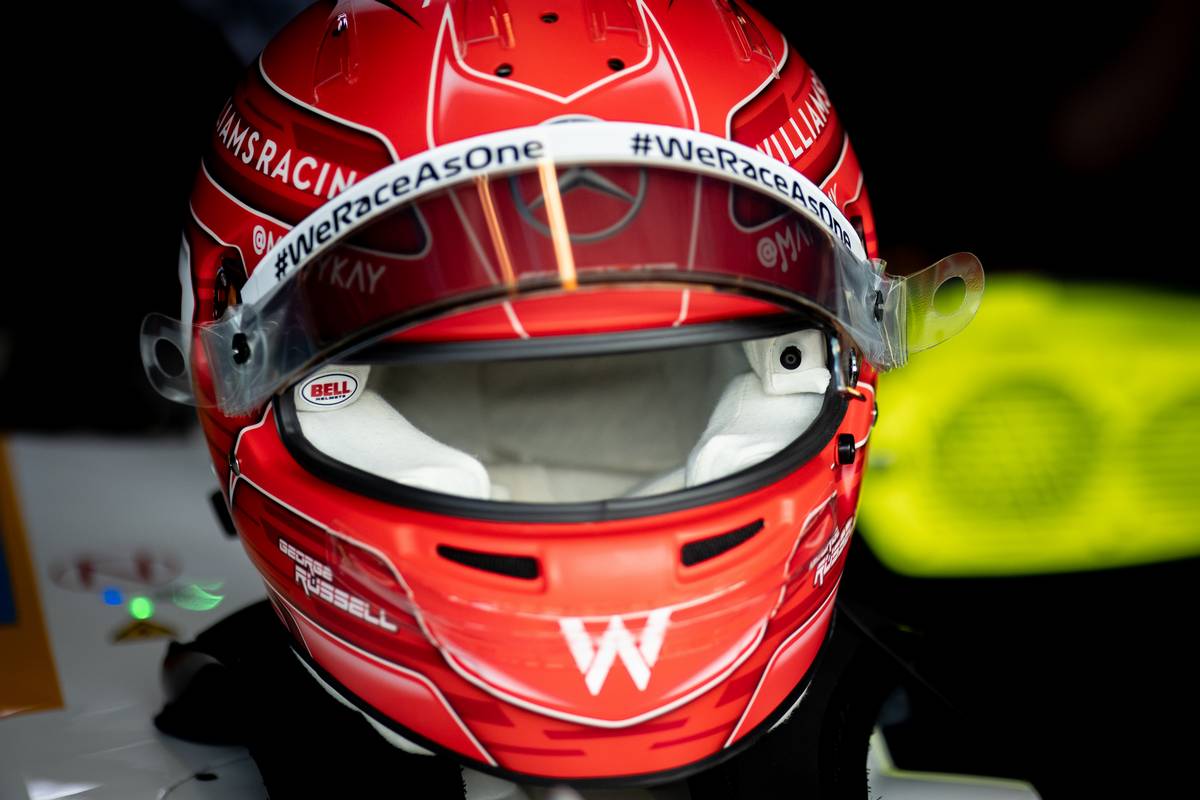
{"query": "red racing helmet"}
{"type": "Point", "coordinates": [535, 347]}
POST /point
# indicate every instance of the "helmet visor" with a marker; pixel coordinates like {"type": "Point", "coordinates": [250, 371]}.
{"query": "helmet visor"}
{"type": "Point", "coordinates": [550, 209]}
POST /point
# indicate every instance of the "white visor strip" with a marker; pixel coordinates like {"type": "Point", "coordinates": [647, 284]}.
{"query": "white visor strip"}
{"type": "Point", "coordinates": [522, 149]}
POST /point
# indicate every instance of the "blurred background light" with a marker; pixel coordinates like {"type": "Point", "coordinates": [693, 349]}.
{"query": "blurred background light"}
{"type": "Point", "coordinates": [1059, 432]}
{"type": "Point", "coordinates": [199, 596]}
{"type": "Point", "coordinates": [141, 608]}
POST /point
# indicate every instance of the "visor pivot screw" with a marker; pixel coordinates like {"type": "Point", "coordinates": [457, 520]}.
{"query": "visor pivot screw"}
{"type": "Point", "coordinates": [846, 448]}
{"type": "Point", "coordinates": [790, 358]}
{"type": "Point", "coordinates": [879, 306]}
{"type": "Point", "coordinates": [340, 24]}
{"type": "Point", "coordinates": [241, 349]}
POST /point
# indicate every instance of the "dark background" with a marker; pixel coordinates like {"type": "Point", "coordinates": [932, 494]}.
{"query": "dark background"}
{"type": "Point", "coordinates": [1045, 138]}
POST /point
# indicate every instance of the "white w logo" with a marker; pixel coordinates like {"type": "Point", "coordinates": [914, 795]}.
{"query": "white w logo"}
{"type": "Point", "coordinates": [595, 655]}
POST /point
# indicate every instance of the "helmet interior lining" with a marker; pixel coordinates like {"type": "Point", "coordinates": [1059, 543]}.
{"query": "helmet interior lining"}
{"type": "Point", "coordinates": [570, 430]}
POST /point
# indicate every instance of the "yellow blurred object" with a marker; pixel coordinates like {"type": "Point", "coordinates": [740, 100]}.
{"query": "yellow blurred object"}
{"type": "Point", "coordinates": [28, 678]}
{"type": "Point", "coordinates": [1059, 432]}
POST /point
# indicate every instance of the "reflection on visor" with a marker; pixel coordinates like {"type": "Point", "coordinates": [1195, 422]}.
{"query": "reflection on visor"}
{"type": "Point", "coordinates": [549, 208]}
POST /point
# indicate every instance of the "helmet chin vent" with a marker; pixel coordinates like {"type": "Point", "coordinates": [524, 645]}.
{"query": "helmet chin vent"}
{"type": "Point", "coordinates": [703, 549]}
{"type": "Point", "coordinates": [522, 567]}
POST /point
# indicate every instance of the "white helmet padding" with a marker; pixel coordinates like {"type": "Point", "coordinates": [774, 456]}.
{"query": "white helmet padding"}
{"type": "Point", "coordinates": [671, 481]}
{"type": "Point", "coordinates": [762, 412]}
{"type": "Point", "coordinates": [571, 429]}
{"type": "Point", "coordinates": [805, 370]}
{"type": "Point", "coordinates": [376, 438]}
{"type": "Point", "coordinates": [749, 426]}
{"type": "Point", "coordinates": [759, 413]}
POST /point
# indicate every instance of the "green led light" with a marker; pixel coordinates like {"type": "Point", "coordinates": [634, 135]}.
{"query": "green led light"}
{"type": "Point", "coordinates": [141, 608]}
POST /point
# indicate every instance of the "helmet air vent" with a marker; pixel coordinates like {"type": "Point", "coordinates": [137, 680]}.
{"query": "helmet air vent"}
{"type": "Point", "coordinates": [522, 567]}
{"type": "Point", "coordinates": [704, 549]}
